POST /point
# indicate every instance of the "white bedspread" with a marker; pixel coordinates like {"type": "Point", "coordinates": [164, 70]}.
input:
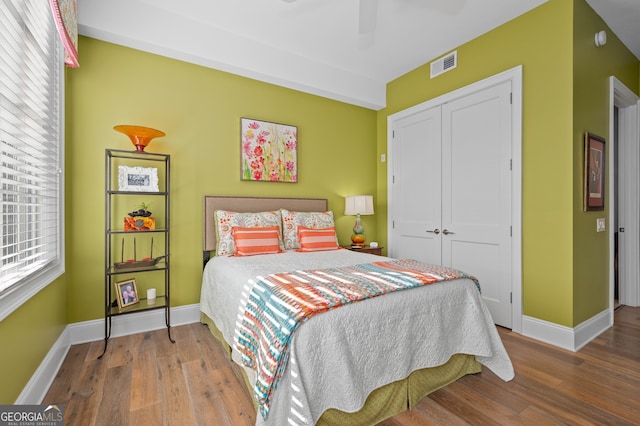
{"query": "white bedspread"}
{"type": "Point", "coordinates": [339, 357]}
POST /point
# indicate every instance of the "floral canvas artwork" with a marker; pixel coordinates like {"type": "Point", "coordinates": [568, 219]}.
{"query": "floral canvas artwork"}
{"type": "Point", "coordinates": [269, 151]}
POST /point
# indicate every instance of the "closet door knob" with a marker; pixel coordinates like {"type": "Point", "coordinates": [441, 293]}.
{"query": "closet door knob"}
{"type": "Point", "coordinates": [447, 232]}
{"type": "Point", "coordinates": [435, 231]}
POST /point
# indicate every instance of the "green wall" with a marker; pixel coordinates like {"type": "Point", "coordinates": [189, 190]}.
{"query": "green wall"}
{"type": "Point", "coordinates": [592, 68]}
{"type": "Point", "coordinates": [199, 109]}
{"type": "Point", "coordinates": [27, 335]}
{"type": "Point", "coordinates": [560, 247]}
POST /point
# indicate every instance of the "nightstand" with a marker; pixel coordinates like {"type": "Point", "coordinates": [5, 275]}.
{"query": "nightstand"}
{"type": "Point", "coordinates": [367, 249]}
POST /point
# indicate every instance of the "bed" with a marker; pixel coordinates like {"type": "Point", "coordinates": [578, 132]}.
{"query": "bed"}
{"type": "Point", "coordinates": [360, 363]}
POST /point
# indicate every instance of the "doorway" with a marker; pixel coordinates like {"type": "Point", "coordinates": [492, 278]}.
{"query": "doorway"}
{"type": "Point", "coordinates": [624, 214]}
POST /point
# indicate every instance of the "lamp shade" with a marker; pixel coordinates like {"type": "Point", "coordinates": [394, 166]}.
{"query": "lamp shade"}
{"type": "Point", "coordinates": [358, 204]}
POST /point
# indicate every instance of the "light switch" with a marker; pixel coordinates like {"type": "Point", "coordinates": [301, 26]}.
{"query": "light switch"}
{"type": "Point", "coordinates": [600, 224]}
{"type": "Point", "coordinates": [383, 158]}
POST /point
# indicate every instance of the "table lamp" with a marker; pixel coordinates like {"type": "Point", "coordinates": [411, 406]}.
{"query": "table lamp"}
{"type": "Point", "coordinates": [358, 205]}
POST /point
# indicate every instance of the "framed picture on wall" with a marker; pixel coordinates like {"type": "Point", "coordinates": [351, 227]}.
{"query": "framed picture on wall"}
{"type": "Point", "coordinates": [269, 151]}
{"type": "Point", "coordinates": [594, 169]}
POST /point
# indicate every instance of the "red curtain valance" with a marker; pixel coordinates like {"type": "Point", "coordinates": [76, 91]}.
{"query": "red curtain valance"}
{"type": "Point", "coordinates": [65, 13]}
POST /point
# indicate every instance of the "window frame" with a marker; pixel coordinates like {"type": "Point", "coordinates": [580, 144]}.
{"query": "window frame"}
{"type": "Point", "coordinates": [15, 296]}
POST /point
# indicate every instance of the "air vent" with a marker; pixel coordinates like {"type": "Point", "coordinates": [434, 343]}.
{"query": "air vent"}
{"type": "Point", "coordinates": [444, 64]}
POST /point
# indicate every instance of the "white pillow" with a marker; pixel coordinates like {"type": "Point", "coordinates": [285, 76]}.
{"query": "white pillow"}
{"type": "Point", "coordinates": [226, 220]}
{"type": "Point", "coordinates": [292, 220]}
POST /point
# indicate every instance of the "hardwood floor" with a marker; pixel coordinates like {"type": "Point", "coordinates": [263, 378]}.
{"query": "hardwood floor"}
{"type": "Point", "coordinates": [145, 380]}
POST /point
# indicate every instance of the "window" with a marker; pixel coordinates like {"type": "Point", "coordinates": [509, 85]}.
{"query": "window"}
{"type": "Point", "coordinates": [31, 147]}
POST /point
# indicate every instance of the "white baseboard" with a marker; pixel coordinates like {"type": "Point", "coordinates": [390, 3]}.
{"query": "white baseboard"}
{"type": "Point", "coordinates": [37, 387]}
{"type": "Point", "coordinates": [91, 331]}
{"type": "Point", "coordinates": [572, 339]}
{"type": "Point", "coordinates": [123, 325]}
{"type": "Point", "coordinates": [592, 328]}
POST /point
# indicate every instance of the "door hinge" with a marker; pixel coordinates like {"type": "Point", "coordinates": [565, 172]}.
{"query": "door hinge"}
{"type": "Point", "coordinates": [511, 98]}
{"type": "Point", "coordinates": [393, 134]}
{"type": "Point", "coordinates": [511, 231]}
{"type": "Point", "coordinates": [510, 297]}
{"type": "Point", "coordinates": [393, 224]}
{"type": "Point", "coordinates": [510, 164]}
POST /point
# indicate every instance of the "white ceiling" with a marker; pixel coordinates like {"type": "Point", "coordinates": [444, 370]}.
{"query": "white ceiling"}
{"type": "Point", "coordinates": [314, 45]}
{"type": "Point", "coordinates": [623, 17]}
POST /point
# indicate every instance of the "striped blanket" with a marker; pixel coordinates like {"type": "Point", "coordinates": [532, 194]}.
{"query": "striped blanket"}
{"type": "Point", "coordinates": [280, 303]}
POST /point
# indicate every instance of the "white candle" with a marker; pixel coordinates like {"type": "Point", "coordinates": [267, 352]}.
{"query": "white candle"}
{"type": "Point", "coordinates": [151, 296]}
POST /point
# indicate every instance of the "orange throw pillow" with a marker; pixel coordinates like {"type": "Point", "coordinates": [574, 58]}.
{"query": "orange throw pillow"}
{"type": "Point", "coordinates": [317, 239]}
{"type": "Point", "coordinates": [252, 241]}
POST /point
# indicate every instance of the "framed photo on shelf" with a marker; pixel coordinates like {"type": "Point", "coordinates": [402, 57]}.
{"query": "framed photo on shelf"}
{"type": "Point", "coordinates": [127, 292]}
{"type": "Point", "coordinates": [269, 151]}
{"type": "Point", "coordinates": [137, 179]}
{"type": "Point", "coordinates": [594, 169]}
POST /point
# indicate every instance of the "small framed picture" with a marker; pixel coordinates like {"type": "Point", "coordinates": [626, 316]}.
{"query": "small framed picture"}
{"type": "Point", "coordinates": [127, 292]}
{"type": "Point", "coordinates": [138, 179]}
{"type": "Point", "coordinates": [594, 169]}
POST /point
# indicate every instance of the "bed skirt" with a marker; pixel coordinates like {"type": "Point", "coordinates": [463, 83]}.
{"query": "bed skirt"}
{"type": "Point", "coordinates": [388, 400]}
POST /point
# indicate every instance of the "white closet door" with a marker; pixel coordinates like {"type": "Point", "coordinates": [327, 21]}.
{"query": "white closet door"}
{"type": "Point", "coordinates": [417, 189]}
{"type": "Point", "coordinates": [476, 193]}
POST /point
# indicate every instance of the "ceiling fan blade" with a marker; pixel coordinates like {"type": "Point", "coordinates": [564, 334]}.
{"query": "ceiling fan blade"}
{"type": "Point", "coordinates": [367, 16]}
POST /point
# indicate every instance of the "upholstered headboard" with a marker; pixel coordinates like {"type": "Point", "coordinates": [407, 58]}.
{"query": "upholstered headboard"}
{"type": "Point", "coordinates": [252, 204]}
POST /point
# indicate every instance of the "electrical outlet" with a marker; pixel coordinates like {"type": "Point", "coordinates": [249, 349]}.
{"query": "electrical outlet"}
{"type": "Point", "coordinates": [600, 224]}
{"type": "Point", "coordinates": [383, 158]}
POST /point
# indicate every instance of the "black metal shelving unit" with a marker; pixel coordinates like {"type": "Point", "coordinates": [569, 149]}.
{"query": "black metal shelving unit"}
{"type": "Point", "coordinates": [116, 203]}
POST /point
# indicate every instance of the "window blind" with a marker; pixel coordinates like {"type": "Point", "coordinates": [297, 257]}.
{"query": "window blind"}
{"type": "Point", "coordinates": [31, 114]}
